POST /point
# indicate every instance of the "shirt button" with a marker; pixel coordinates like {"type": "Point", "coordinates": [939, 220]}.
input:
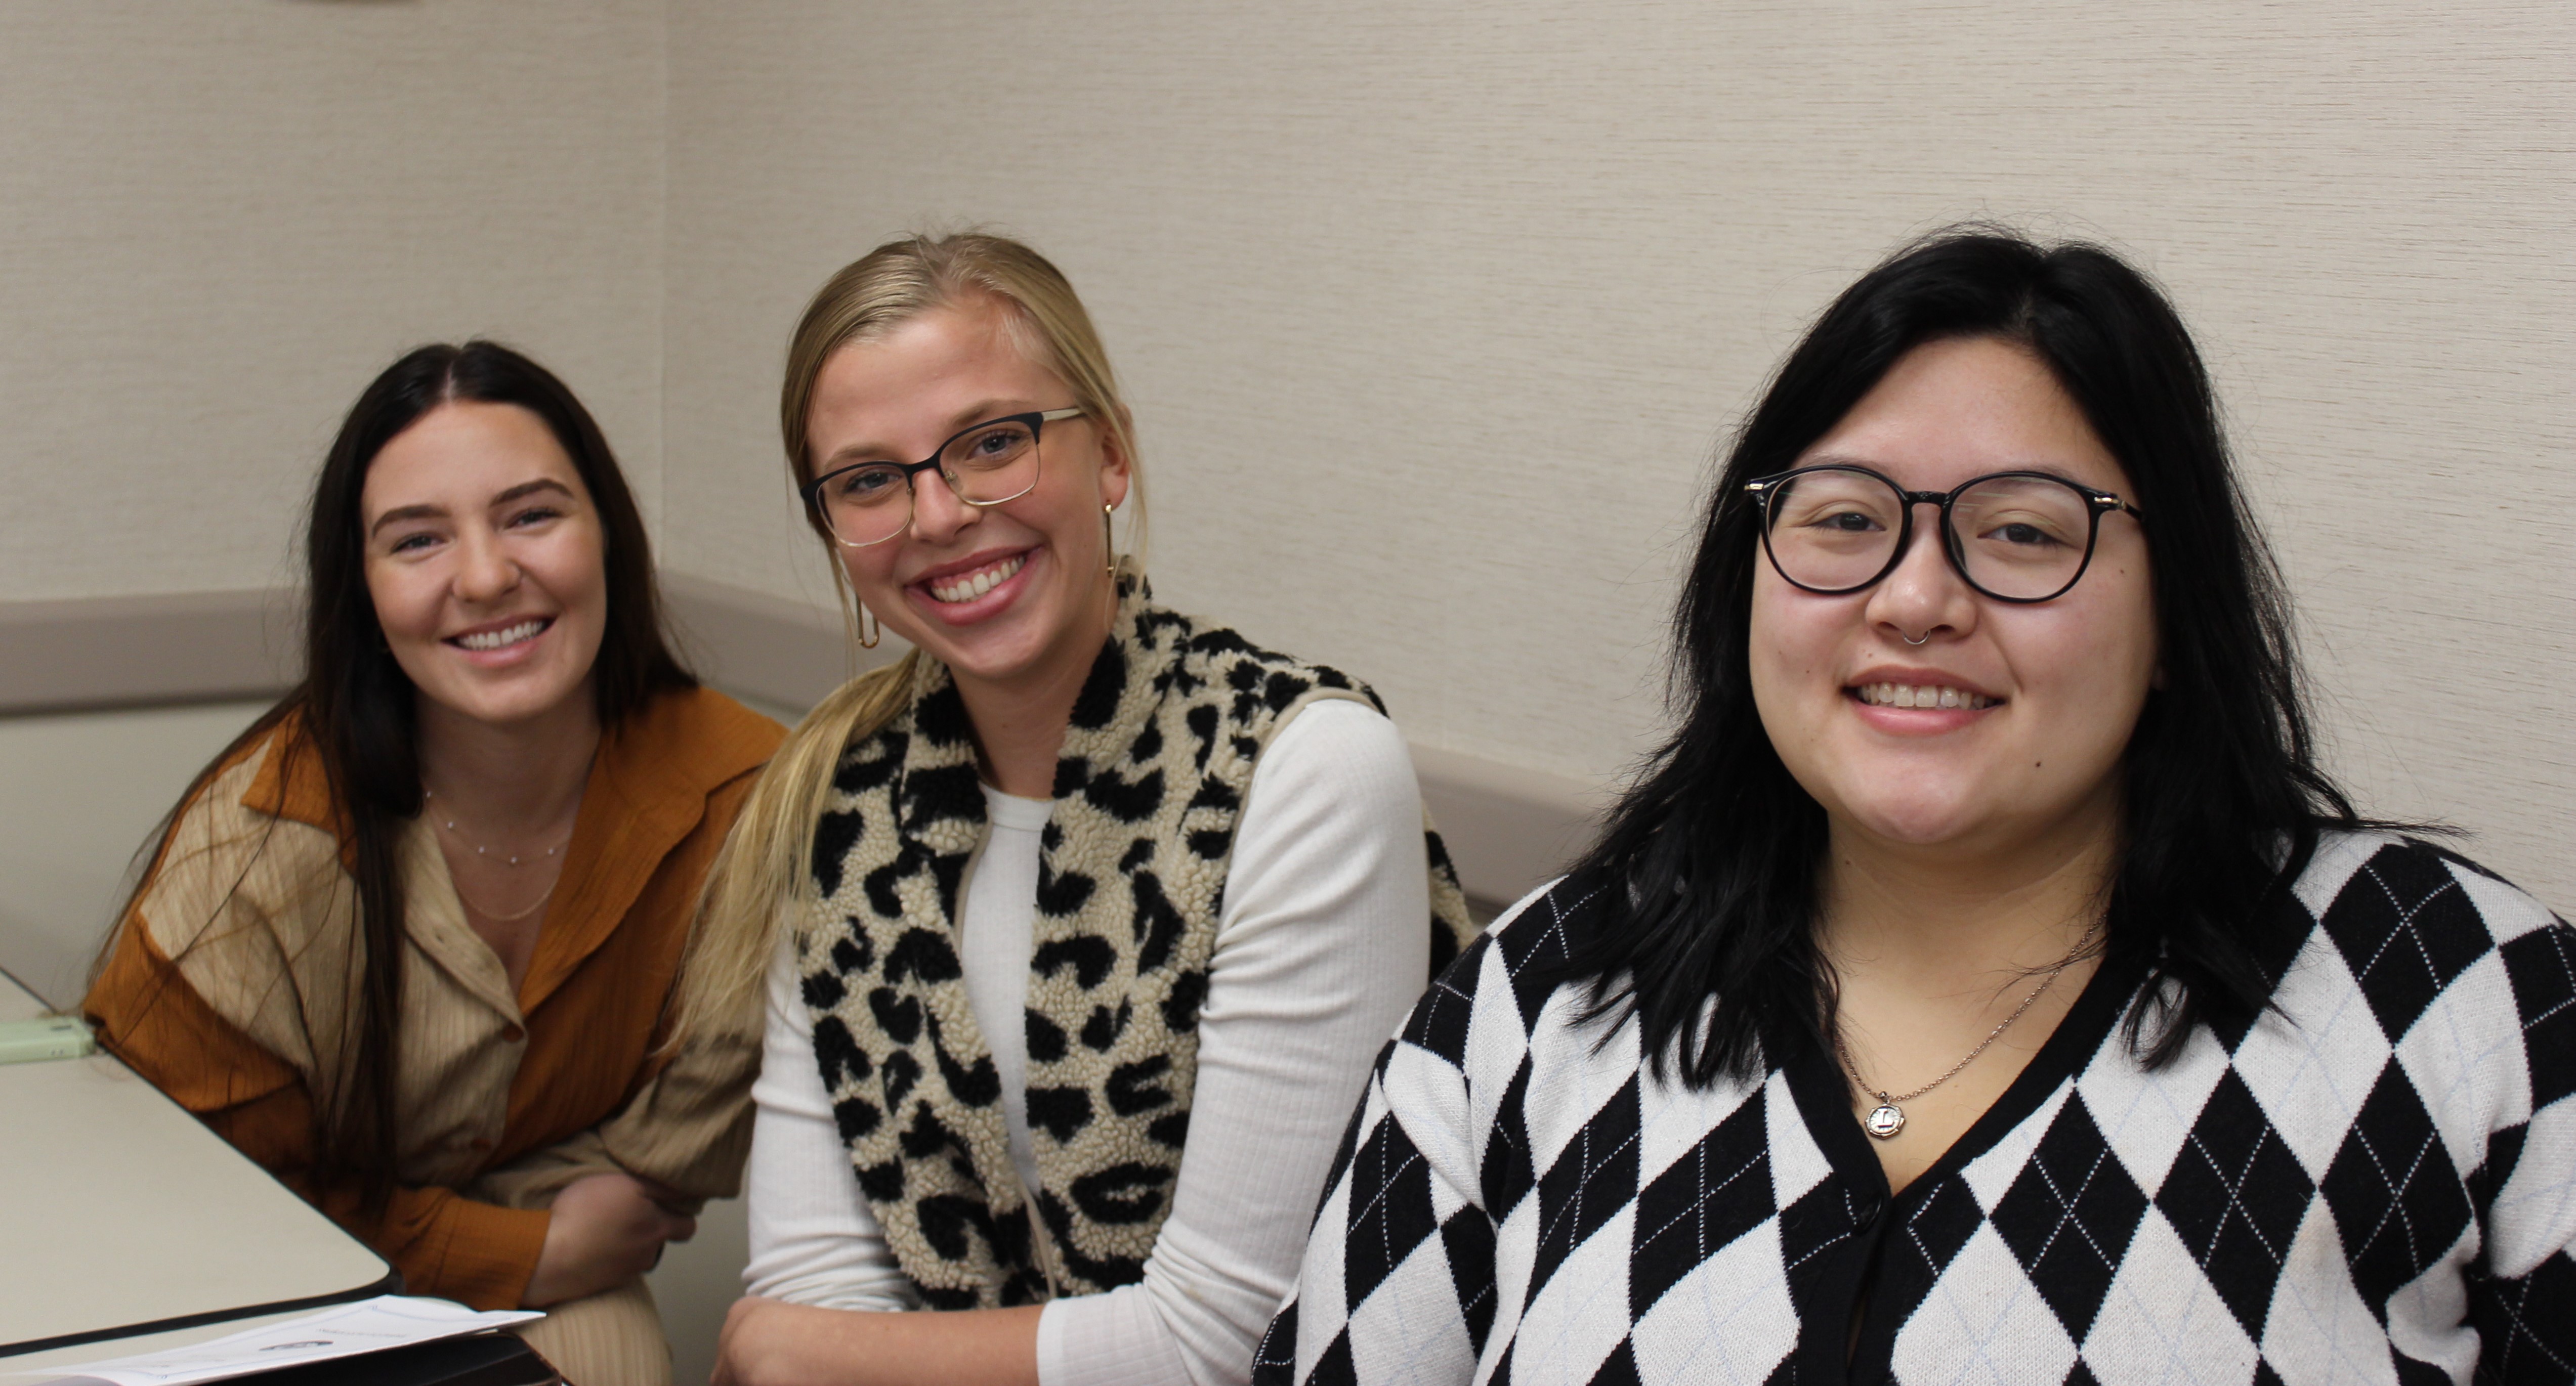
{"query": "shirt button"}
{"type": "Point", "coordinates": [1865, 1210]}
{"type": "Point", "coordinates": [514, 1034]}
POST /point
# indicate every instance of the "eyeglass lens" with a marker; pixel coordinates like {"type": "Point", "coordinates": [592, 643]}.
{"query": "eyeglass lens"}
{"type": "Point", "coordinates": [2023, 538]}
{"type": "Point", "coordinates": [985, 465]}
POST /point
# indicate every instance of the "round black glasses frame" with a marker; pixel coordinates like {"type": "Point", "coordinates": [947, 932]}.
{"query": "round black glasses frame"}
{"type": "Point", "coordinates": [2097, 504]}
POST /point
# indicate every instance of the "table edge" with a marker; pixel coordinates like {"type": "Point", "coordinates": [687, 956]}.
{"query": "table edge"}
{"type": "Point", "coordinates": [390, 1283]}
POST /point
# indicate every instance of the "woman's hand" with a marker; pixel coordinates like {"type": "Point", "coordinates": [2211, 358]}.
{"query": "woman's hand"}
{"type": "Point", "coordinates": [769, 1342]}
{"type": "Point", "coordinates": [605, 1230]}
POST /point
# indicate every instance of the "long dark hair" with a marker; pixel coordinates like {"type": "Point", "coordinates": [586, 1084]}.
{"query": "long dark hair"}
{"type": "Point", "coordinates": [359, 712]}
{"type": "Point", "coordinates": [1715, 852]}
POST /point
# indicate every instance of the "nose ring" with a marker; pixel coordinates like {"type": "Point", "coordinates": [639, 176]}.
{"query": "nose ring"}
{"type": "Point", "coordinates": [1916, 639]}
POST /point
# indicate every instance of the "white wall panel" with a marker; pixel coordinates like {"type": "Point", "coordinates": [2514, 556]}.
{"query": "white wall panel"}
{"type": "Point", "coordinates": [1432, 314]}
{"type": "Point", "coordinates": [220, 218]}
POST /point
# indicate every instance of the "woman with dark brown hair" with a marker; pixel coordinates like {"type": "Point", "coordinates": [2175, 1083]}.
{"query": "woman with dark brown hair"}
{"type": "Point", "coordinates": [408, 941]}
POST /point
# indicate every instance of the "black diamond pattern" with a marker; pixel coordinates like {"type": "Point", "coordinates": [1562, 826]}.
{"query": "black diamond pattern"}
{"type": "Point", "coordinates": [1390, 1211]}
{"type": "Point", "coordinates": [2277, 936]}
{"type": "Point", "coordinates": [1619, 1368]}
{"type": "Point", "coordinates": [1274, 1363]}
{"type": "Point", "coordinates": [1700, 1203]}
{"type": "Point", "coordinates": [1509, 1173]}
{"type": "Point", "coordinates": [2528, 1330]}
{"type": "Point", "coordinates": [1593, 1178]}
{"type": "Point", "coordinates": [2070, 1215]}
{"type": "Point", "coordinates": [1351, 1129]}
{"type": "Point", "coordinates": [2396, 1199]}
{"type": "Point", "coordinates": [2504, 1155]}
{"type": "Point", "coordinates": [1533, 950]}
{"type": "Point", "coordinates": [2235, 1196]}
{"type": "Point", "coordinates": [2542, 964]}
{"type": "Point", "coordinates": [2405, 928]}
{"type": "Point", "coordinates": [1439, 1020]}
{"type": "Point", "coordinates": [1336, 1369]}
{"type": "Point", "coordinates": [1469, 1239]}
{"type": "Point", "coordinates": [1811, 1227]}
{"type": "Point", "coordinates": [1934, 1232]}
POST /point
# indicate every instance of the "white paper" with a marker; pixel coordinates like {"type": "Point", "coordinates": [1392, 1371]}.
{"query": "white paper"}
{"type": "Point", "coordinates": [341, 1331]}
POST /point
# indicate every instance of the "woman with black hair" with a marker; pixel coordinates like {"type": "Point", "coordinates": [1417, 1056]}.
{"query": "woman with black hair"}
{"type": "Point", "coordinates": [1984, 981]}
{"type": "Point", "coordinates": [409, 941]}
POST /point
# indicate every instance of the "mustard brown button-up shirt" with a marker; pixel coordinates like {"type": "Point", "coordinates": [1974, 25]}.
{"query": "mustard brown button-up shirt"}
{"type": "Point", "coordinates": [230, 990]}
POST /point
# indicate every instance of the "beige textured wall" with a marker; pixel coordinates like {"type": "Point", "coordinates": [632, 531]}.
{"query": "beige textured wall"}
{"type": "Point", "coordinates": [1433, 313]}
{"type": "Point", "coordinates": [219, 218]}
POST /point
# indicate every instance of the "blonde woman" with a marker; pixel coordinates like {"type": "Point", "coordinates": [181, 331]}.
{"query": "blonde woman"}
{"type": "Point", "coordinates": [1079, 924]}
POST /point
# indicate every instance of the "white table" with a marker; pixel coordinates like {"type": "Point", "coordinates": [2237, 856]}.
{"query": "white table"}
{"type": "Point", "coordinates": [125, 1224]}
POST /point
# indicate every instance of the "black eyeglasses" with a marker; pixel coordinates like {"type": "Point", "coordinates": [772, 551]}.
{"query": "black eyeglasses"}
{"type": "Point", "coordinates": [2014, 536]}
{"type": "Point", "coordinates": [994, 461]}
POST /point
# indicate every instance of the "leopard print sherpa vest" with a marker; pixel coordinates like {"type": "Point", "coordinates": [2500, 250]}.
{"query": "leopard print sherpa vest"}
{"type": "Point", "coordinates": [1131, 881]}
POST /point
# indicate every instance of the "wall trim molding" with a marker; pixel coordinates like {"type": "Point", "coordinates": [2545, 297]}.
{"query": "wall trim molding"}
{"type": "Point", "coordinates": [1509, 828]}
{"type": "Point", "coordinates": [90, 653]}
{"type": "Point", "coordinates": [773, 648]}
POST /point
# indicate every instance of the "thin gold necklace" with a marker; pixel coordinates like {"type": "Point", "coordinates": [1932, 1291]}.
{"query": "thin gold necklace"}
{"type": "Point", "coordinates": [504, 918]}
{"type": "Point", "coordinates": [1888, 1118]}
{"type": "Point", "coordinates": [505, 858]}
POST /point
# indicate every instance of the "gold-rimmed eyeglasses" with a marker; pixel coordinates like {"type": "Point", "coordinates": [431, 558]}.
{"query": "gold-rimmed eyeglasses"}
{"type": "Point", "coordinates": [992, 462]}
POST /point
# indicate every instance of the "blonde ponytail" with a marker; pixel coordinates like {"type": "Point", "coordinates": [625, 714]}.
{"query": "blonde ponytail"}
{"type": "Point", "coordinates": [763, 878]}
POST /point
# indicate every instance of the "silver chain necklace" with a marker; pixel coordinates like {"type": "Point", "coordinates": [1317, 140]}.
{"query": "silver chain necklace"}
{"type": "Point", "coordinates": [1888, 1117]}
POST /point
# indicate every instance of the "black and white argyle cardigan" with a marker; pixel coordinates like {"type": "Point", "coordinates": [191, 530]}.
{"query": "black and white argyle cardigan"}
{"type": "Point", "coordinates": [2377, 1185]}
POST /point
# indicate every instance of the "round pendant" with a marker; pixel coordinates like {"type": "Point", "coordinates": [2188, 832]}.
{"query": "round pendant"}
{"type": "Point", "coordinates": [1886, 1121]}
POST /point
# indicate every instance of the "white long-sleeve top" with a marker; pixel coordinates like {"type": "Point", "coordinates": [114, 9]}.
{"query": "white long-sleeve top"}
{"type": "Point", "coordinates": [1321, 947]}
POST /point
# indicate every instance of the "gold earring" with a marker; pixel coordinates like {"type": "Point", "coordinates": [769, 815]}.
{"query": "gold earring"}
{"type": "Point", "coordinates": [1108, 541]}
{"type": "Point", "coordinates": [869, 632]}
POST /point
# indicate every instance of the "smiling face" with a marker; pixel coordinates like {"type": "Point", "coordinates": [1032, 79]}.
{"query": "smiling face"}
{"type": "Point", "coordinates": [2030, 706]}
{"type": "Point", "coordinates": [1013, 593]}
{"type": "Point", "coordinates": [484, 558]}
